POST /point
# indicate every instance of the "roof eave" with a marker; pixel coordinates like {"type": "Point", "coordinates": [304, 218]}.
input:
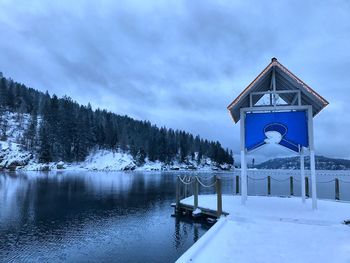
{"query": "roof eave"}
{"type": "Point", "coordinates": [242, 94]}
{"type": "Point", "coordinates": [274, 62]}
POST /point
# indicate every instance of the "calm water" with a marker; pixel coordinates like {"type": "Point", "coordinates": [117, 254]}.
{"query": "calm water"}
{"type": "Point", "coordinates": [92, 217]}
{"type": "Point", "coordinates": [114, 217]}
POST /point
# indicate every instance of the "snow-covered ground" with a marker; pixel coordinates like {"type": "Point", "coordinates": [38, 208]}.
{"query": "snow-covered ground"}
{"type": "Point", "coordinates": [273, 229]}
{"type": "Point", "coordinates": [13, 156]}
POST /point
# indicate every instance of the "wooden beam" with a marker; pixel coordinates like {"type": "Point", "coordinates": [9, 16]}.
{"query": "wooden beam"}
{"type": "Point", "coordinates": [302, 175]}
{"type": "Point", "coordinates": [294, 99]}
{"type": "Point", "coordinates": [312, 158]}
{"type": "Point", "coordinates": [274, 86]}
{"type": "Point", "coordinates": [243, 160]}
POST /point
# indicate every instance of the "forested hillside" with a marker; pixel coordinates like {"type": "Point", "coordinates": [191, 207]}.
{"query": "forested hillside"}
{"type": "Point", "coordinates": [293, 163]}
{"type": "Point", "coordinates": [60, 129]}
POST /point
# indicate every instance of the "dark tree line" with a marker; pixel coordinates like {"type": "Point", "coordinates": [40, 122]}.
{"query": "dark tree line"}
{"type": "Point", "coordinates": [61, 129]}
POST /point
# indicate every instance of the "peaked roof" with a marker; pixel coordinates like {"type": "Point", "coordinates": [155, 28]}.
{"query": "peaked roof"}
{"type": "Point", "coordinates": [285, 80]}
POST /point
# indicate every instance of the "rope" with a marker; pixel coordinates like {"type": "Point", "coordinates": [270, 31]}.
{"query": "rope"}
{"type": "Point", "coordinates": [206, 178]}
{"type": "Point", "coordinates": [257, 179]}
{"type": "Point", "coordinates": [280, 181]}
{"type": "Point", "coordinates": [346, 182]}
{"type": "Point", "coordinates": [206, 186]}
{"type": "Point", "coordinates": [332, 180]}
{"type": "Point", "coordinates": [184, 180]}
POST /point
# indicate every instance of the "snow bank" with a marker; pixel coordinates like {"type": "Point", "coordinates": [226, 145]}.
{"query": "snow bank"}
{"type": "Point", "coordinates": [100, 160]}
{"type": "Point", "coordinates": [108, 160]}
{"type": "Point", "coordinates": [273, 229]}
{"type": "Point", "coordinates": [278, 208]}
{"type": "Point", "coordinates": [14, 157]}
{"type": "Point", "coordinates": [11, 156]}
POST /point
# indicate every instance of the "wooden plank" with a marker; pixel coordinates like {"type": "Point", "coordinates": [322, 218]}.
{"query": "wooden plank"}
{"type": "Point", "coordinates": [218, 196]}
{"type": "Point", "coordinates": [291, 185]}
{"type": "Point", "coordinates": [237, 184]}
{"type": "Point", "coordinates": [337, 195]}
{"type": "Point", "coordinates": [205, 211]}
{"type": "Point", "coordinates": [195, 193]}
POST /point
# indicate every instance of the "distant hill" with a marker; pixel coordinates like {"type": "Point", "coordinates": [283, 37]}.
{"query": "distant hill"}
{"type": "Point", "coordinates": [61, 130]}
{"type": "Point", "coordinates": [322, 163]}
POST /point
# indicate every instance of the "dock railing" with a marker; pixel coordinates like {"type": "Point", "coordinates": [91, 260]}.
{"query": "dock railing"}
{"type": "Point", "coordinates": [260, 182]}
{"type": "Point", "coordinates": [291, 180]}
{"type": "Point", "coordinates": [189, 185]}
{"type": "Point", "coordinates": [340, 187]}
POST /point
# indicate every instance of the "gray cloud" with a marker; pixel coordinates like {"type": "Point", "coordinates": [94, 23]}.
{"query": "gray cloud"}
{"type": "Point", "coordinates": [179, 63]}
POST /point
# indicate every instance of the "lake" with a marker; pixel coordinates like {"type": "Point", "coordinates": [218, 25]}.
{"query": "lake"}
{"type": "Point", "coordinates": [113, 216]}
{"type": "Point", "coordinates": [92, 217]}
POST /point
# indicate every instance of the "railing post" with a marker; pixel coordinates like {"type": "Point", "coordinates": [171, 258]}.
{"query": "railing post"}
{"type": "Point", "coordinates": [291, 184]}
{"type": "Point", "coordinates": [195, 193]}
{"type": "Point", "coordinates": [307, 186]}
{"type": "Point", "coordinates": [177, 192]}
{"type": "Point", "coordinates": [337, 196]}
{"type": "Point", "coordinates": [219, 196]}
{"type": "Point", "coordinates": [185, 188]}
{"type": "Point", "coordinates": [269, 185]}
{"type": "Point", "coordinates": [237, 184]}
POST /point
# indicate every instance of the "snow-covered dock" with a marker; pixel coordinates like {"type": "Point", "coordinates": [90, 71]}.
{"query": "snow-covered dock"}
{"type": "Point", "coordinates": [273, 229]}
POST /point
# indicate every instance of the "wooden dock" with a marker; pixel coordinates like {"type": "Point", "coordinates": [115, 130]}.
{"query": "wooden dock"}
{"type": "Point", "coordinates": [274, 230]}
{"type": "Point", "coordinates": [186, 209]}
{"type": "Point", "coordinates": [193, 182]}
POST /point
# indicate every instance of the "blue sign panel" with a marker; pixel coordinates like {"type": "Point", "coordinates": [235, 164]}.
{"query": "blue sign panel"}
{"type": "Point", "coordinates": [288, 129]}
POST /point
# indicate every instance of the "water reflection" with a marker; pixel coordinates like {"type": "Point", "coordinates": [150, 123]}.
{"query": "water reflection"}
{"type": "Point", "coordinates": [186, 228]}
{"type": "Point", "coordinates": [110, 217]}
{"type": "Point", "coordinates": [96, 217]}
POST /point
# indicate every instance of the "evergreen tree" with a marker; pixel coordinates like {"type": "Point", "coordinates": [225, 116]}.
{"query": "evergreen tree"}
{"type": "Point", "coordinates": [3, 125]}
{"type": "Point", "coordinates": [45, 154]}
{"type": "Point", "coordinates": [68, 131]}
{"type": "Point", "coordinates": [31, 133]}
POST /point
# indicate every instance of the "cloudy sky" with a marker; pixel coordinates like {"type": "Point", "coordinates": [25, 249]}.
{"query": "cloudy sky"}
{"type": "Point", "coordinates": [180, 63]}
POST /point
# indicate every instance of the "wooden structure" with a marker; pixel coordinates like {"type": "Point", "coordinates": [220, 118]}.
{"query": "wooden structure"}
{"type": "Point", "coordinates": [278, 91]}
{"type": "Point", "coordinates": [191, 184]}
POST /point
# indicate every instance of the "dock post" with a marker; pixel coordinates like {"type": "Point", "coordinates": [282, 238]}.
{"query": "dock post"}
{"type": "Point", "coordinates": [269, 185]}
{"type": "Point", "coordinates": [302, 175]}
{"type": "Point", "coordinates": [237, 184]}
{"type": "Point", "coordinates": [177, 193]}
{"type": "Point", "coordinates": [307, 187]}
{"type": "Point", "coordinates": [291, 185]}
{"type": "Point", "coordinates": [337, 196]}
{"type": "Point", "coordinates": [195, 193]}
{"type": "Point", "coordinates": [219, 196]}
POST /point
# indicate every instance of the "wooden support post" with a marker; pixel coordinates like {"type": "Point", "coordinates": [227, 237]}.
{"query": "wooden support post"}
{"type": "Point", "coordinates": [337, 196]}
{"type": "Point", "coordinates": [313, 179]}
{"type": "Point", "coordinates": [244, 181]}
{"type": "Point", "coordinates": [302, 174]}
{"type": "Point", "coordinates": [237, 184]}
{"type": "Point", "coordinates": [307, 186]}
{"type": "Point", "coordinates": [269, 185]}
{"type": "Point", "coordinates": [244, 184]}
{"type": "Point", "coordinates": [219, 196]}
{"type": "Point", "coordinates": [291, 185]}
{"type": "Point", "coordinates": [177, 192]}
{"type": "Point", "coordinates": [195, 190]}
{"type": "Point", "coordinates": [312, 158]}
